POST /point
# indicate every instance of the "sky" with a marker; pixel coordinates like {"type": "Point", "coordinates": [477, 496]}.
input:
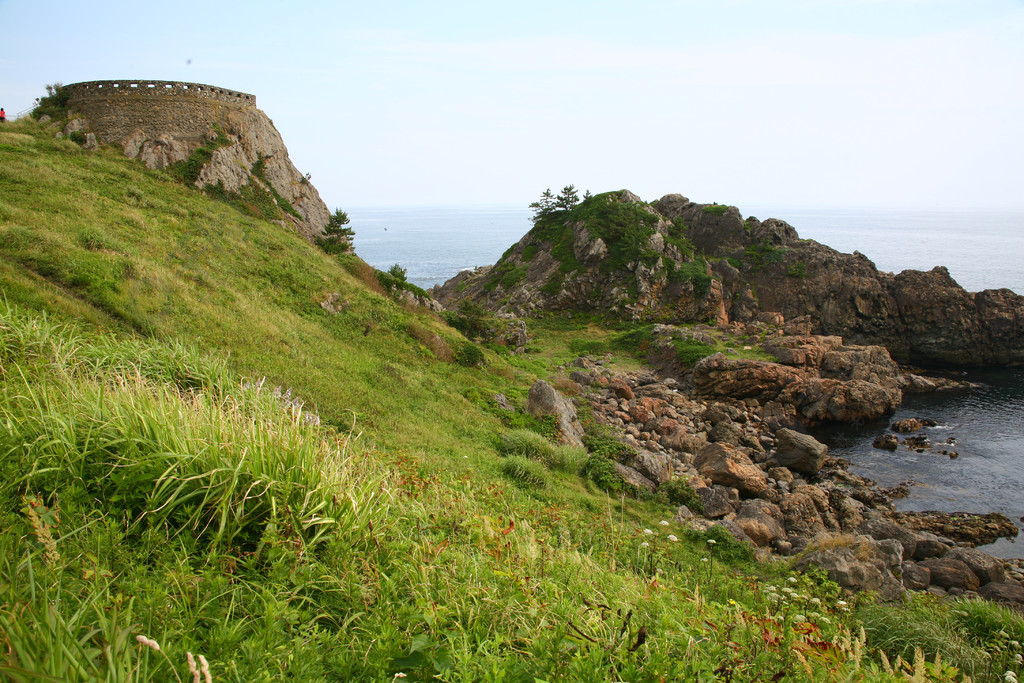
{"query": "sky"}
{"type": "Point", "coordinates": [912, 104]}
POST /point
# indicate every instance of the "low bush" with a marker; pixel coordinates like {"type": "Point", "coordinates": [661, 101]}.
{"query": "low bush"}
{"type": "Point", "coordinates": [601, 471]}
{"type": "Point", "coordinates": [469, 355]}
{"type": "Point", "coordinates": [524, 473]}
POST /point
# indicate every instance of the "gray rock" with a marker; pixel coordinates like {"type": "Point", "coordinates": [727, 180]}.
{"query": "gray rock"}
{"type": "Point", "coordinates": [949, 573]}
{"type": "Point", "coordinates": [634, 478]}
{"type": "Point", "coordinates": [880, 529]}
{"type": "Point", "coordinates": [862, 564]}
{"type": "Point", "coordinates": [916, 577]}
{"type": "Point", "coordinates": [800, 452]}
{"type": "Point", "coordinates": [1006, 592]}
{"type": "Point", "coordinates": [543, 400]}
{"type": "Point", "coordinates": [988, 569]}
{"type": "Point", "coordinates": [929, 546]}
{"type": "Point", "coordinates": [716, 502]}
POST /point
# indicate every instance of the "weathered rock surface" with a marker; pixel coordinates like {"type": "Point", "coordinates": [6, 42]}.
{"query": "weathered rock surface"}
{"type": "Point", "coordinates": [728, 466]}
{"type": "Point", "coordinates": [544, 400]}
{"type": "Point", "coordinates": [799, 452]}
{"type": "Point", "coordinates": [949, 573]}
{"type": "Point", "coordinates": [575, 262]}
{"type": "Point", "coordinates": [861, 564]}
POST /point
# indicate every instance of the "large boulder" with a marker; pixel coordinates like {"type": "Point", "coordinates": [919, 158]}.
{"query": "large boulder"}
{"type": "Point", "coordinates": [544, 400]}
{"type": "Point", "coordinates": [799, 452]}
{"type": "Point", "coordinates": [988, 569]}
{"type": "Point", "coordinates": [761, 521]}
{"type": "Point", "coordinates": [729, 466]}
{"type": "Point", "coordinates": [881, 529]}
{"type": "Point", "coordinates": [858, 563]}
{"type": "Point", "coordinates": [949, 573]}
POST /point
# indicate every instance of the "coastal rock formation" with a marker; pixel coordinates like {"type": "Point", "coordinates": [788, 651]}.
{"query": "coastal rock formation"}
{"type": "Point", "coordinates": [674, 260]}
{"type": "Point", "coordinates": [163, 123]}
{"type": "Point", "coordinates": [776, 488]}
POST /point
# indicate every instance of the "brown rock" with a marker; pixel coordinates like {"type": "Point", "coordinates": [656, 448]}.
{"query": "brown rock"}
{"type": "Point", "coordinates": [916, 577]}
{"type": "Point", "coordinates": [949, 573]}
{"type": "Point", "coordinates": [761, 521]}
{"type": "Point", "coordinates": [799, 452]}
{"type": "Point", "coordinates": [988, 569]}
{"type": "Point", "coordinates": [728, 466]}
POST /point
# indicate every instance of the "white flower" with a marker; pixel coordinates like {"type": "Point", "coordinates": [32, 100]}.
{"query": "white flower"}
{"type": "Point", "coordinates": [645, 544]}
{"type": "Point", "coordinates": [703, 559]}
{"type": "Point", "coordinates": [399, 675]}
{"type": "Point", "coordinates": [1010, 677]}
{"type": "Point", "coordinates": [815, 601]}
{"type": "Point", "coordinates": [648, 532]}
{"type": "Point", "coordinates": [712, 541]}
{"type": "Point", "coordinates": [672, 538]}
{"type": "Point", "coordinates": [841, 604]}
{"type": "Point", "coordinates": [1019, 658]}
{"type": "Point", "coordinates": [663, 523]}
{"type": "Point", "coordinates": [791, 579]}
{"type": "Point", "coordinates": [799, 617]}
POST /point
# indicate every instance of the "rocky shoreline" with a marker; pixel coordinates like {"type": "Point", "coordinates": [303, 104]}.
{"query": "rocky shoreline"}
{"type": "Point", "coordinates": [734, 431]}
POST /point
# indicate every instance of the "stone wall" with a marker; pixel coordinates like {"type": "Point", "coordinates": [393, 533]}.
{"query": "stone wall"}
{"type": "Point", "coordinates": [164, 122]}
{"type": "Point", "coordinates": [118, 109]}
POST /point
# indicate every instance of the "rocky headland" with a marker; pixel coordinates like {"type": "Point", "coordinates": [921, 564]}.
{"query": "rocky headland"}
{"type": "Point", "coordinates": [677, 261]}
{"type": "Point", "coordinates": [830, 330]}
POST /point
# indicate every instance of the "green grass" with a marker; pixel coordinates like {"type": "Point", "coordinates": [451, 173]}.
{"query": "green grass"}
{"type": "Point", "coordinates": [194, 451]}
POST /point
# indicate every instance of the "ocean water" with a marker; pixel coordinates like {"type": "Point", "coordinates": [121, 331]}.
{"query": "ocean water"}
{"type": "Point", "coordinates": [980, 249]}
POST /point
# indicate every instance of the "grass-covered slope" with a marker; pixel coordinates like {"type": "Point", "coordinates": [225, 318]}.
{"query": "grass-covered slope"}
{"type": "Point", "coordinates": [158, 497]}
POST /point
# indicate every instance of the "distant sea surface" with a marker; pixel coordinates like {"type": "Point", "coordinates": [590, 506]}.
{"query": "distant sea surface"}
{"type": "Point", "coordinates": [981, 250]}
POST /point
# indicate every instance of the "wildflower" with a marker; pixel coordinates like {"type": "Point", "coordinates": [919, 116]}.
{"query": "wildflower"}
{"type": "Point", "coordinates": [703, 559]}
{"type": "Point", "coordinates": [672, 538]}
{"type": "Point", "coordinates": [148, 642]}
{"type": "Point", "coordinates": [799, 617]}
{"type": "Point", "coordinates": [1018, 658]}
{"type": "Point", "coordinates": [791, 579]}
{"type": "Point", "coordinates": [712, 541]}
{"type": "Point", "coordinates": [399, 675]}
{"type": "Point", "coordinates": [841, 604]}
{"type": "Point", "coordinates": [645, 544]}
{"type": "Point", "coordinates": [648, 532]}
{"type": "Point", "coordinates": [815, 601]}
{"type": "Point", "coordinates": [1015, 644]}
{"type": "Point", "coordinates": [825, 620]}
{"type": "Point", "coordinates": [663, 522]}
{"type": "Point", "coordinates": [1010, 677]}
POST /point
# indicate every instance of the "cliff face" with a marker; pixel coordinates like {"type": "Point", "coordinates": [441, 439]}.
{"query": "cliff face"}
{"type": "Point", "coordinates": [678, 261]}
{"type": "Point", "coordinates": [166, 123]}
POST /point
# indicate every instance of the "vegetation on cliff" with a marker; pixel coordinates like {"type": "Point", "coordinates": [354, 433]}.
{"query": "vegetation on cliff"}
{"type": "Point", "coordinates": [216, 439]}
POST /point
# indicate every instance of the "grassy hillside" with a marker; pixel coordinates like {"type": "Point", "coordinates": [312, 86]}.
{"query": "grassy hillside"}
{"type": "Point", "coordinates": [197, 457]}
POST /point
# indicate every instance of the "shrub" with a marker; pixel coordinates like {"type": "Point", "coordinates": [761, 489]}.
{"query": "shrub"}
{"type": "Point", "coordinates": [601, 471]}
{"type": "Point", "coordinates": [607, 446]}
{"type": "Point", "coordinates": [469, 355]}
{"type": "Point", "coordinates": [716, 209]}
{"type": "Point", "coordinates": [438, 346]}
{"type": "Point", "coordinates": [525, 443]}
{"type": "Point", "coordinates": [676, 492]}
{"type": "Point", "coordinates": [524, 473]}
{"type": "Point", "coordinates": [798, 269]}
{"type": "Point", "coordinates": [690, 352]}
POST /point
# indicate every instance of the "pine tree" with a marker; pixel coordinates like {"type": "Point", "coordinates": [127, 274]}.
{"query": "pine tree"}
{"type": "Point", "coordinates": [338, 236]}
{"type": "Point", "coordinates": [567, 199]}
{"type": "Point", "coordinates": [543, 207]}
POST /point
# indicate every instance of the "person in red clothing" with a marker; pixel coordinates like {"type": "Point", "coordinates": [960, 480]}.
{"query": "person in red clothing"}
{"type": "Point", "coordinates": [3, 115]}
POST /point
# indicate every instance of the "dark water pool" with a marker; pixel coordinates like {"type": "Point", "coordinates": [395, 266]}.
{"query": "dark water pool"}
{"type": "Point", "coordinates": [987, 425]}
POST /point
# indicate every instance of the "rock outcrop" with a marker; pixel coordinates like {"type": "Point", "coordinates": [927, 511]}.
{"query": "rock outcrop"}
{"type": "Point", "coordinates": [164, 123]}
{"type": "Point", "coordinates": [678, 261]}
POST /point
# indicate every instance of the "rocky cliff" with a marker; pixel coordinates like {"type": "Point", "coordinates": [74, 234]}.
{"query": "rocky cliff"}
{"type": "Point", "coordinates": [230, 143]}
{"type": "Point", "coordinates": [674, 260]}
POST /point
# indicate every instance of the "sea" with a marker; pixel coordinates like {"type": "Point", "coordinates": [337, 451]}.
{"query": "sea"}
{"type": "Point", "coordinates": [980, 248]}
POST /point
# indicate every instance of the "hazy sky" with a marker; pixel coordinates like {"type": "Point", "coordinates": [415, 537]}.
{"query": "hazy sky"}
{"type": "Point", "coordinates": [904, 103]}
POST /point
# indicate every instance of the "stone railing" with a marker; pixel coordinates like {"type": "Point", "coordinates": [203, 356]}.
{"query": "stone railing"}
{"type": "Point", "coordinates": [96, 89]}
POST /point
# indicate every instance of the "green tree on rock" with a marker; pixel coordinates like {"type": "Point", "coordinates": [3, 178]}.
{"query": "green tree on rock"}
{"type": "Point", "coordinates": [543, 207]}
{"type": "Point", "coordinates": [567, 198]}
{"type": "Point", "coordinates": [337, 238]}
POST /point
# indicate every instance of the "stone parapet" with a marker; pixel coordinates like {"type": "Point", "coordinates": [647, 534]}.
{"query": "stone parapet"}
{"type": "Point", "coordinates": [143, 88]}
